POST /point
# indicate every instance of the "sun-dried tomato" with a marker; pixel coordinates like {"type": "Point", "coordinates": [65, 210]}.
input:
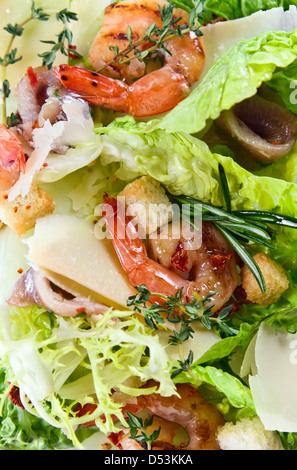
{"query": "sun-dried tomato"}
{"type": "Point", "coordinates": [14, 396]}
{"type": "Point", "coordinates": [219, 261]}
{"type": "Point", "coordinates": [179, 260]}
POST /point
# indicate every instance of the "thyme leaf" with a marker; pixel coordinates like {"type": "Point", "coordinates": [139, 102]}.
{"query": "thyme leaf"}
{"type": "Point", "coordinates": [64, 39]}
{"type": "Point", "coordinates": [138, 429]}
{"type": "Point", "coordinates": [155, 37]}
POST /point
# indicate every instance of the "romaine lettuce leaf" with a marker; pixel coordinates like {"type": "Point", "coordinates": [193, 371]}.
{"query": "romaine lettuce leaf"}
{"type": "Point", "coordinates": [236, 76]}
{"type": "Point", "coordinates": [185, 165]}
{"type": "Point", "coordinates": [232, 9]}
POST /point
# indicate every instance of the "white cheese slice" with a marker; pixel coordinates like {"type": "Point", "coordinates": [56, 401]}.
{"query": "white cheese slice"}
{"type": "Point", "coordinates": [66, 247]}
{"type": "Point", "coordinates": [219, 37]}
{"type": "Point", "coordinates": [274, 385]}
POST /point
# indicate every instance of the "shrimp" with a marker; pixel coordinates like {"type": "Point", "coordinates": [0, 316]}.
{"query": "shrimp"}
{"type": "Point", "coordinates": [139, 15]}
{"type": "Point", "coordinates": [211, 268]}
{"type": "Point", "coordinates": [12, 158]}
{"type": "Point", "coordinates": [188, 410]}
{"type": "Point", "coordinates": [157, 92]}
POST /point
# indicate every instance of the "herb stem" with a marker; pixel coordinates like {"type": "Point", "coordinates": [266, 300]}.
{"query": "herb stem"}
{"type": "Point", "coordinates": [5, 63]}
{"type": "Point", "coordinates": [135, 45]}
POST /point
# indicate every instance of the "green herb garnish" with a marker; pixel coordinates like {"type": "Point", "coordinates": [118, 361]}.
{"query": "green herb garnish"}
{"type": "Point", "coordinates": [11, 55]}
{"type": "Point", "coordinates": [64, 39]}
{"type": "Point", "coordinates": [138, 429]}
{"type": "Point", "coordinates": [183, 315]}
{"type": "Point", "coordinates": [238, 227]}
{"type": "Point", "coordinates": [156, 36]}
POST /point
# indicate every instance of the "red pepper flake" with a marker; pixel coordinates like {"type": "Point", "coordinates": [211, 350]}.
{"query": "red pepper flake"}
{"type": "Point", "coordinates": [36, 124]}
{"type": "Point", "coordinates": [20, 271]}
{"type": "Point", "coordinates": [28, 207]}
{"type": "Point", "coordinates": [80, 310]}
{"type": "Point", "coordinates": [45, 164]}
{"type": "Point", "coordinates": [179, 259]}
{"type": "Point", "coordinates": [32, 76]}
{"type": "Point", "coordinates": [15, 209]}
{"type": "Point", "coordinates": [5, 196]}
{"type": "Point", "coordinates": [219, 261]}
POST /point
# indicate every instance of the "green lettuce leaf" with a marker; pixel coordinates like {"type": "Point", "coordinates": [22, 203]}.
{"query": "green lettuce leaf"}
{"type": "Point", "coordinates": [232, 9]}
{"type": "Point", "coordinates": [60, 364]}
{"type": "Point", "coordinates": [185, 165]}
{"type": "Point", "coordinates": [236, 76]}
{"type": "Point", "coordinates": [231, 396]}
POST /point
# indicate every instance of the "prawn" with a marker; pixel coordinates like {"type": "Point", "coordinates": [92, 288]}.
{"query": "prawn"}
{"type": "Point", "coordinates": [157, 92]}
{"type": "Point", "coordinates": [187, 410]}
{"type": "Point", "coordinates": [212, 265]}
{"type": "Point", "coordinates": [12, 158]}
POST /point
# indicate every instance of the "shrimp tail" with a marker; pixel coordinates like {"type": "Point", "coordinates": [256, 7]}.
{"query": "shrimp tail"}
{"type": "Point", "coordinates": [12, 158]}
{"type": "Point", "coordinates": [132, 253]}
{"type": "Point", "coordinates": [94, 87]}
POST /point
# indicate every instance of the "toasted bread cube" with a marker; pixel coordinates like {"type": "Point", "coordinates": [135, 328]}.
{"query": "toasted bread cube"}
{"type": "Point", "coordinates": [21, 213]}
{"type": "Point", "coordinates": [146, 201]}
{"type": "Point", "coordinates": [247, 434]}
{"type": "Point", "coordinates": [275, 279]}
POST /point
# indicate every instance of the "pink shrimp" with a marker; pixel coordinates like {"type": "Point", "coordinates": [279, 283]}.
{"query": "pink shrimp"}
{"type": "Point", "coordinates": [187, 410]}
{"type": "Point", "coordinates": [213, 267]}
{"type": "Point", "coordinates": [12, 158]}
{"type": "Point", "coordinates": [157, 92]}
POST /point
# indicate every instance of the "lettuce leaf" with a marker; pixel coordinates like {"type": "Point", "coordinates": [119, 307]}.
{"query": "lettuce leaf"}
{"type": "Point", "coordinates": [231, 396]}
{"type": "Point", "coordinates": [232, 9]}
{"type": "Point", "coordinates": [236, 76]}
{"type": "Point", "coordinates": [53, 360]}
{"type": "Point", "coordinates": [185, 165]}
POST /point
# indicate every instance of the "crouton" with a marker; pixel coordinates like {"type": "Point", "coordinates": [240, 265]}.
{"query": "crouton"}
{"type": "Point", "coordinates": [247, 434]}
{"type": "Point", "coordinates": [148, 204]}
{"type": "Point", "coordinates": [275, 279]}
{"type": "Point", "coordinates": [21, 213]}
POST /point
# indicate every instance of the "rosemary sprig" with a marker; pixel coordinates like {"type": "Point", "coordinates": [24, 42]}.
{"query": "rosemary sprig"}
{"type": "Point", "coordinates": [138, 429]}
{"type": "Point", "coordinates": [11, 56]}
{"type": "Point", "coordinates": [64, 39]}
{"type": "Point", "coordinates": [156, 36]}
{"type": "Point", "coordinates": [240, 228]}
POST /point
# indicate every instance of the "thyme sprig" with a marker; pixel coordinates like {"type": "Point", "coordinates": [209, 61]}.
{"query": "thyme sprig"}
{"type": "Point", "coordinates": [241, 228]}
{"type": "Point", "coordinates": [139, 429]}
{"type": "Point", "coordinates": [11, 56]}
{"type": "Point", "coordinates": [156, 37]}
{"type": "Point", "coordinates": [183, 315]}
{"type": "Point", "coordinates": [64, 39]}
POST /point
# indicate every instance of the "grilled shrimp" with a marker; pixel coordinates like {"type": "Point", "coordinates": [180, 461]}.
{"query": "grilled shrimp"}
{"type": "Point", "coordinates": [12, 158]}
{"type": "Point", "coordinates": [209, 268]}
{"type": "Point", "coordinates": [139, 15]}
{"type": "Point", "coordinates": [188, 410]}
{"type": "Point", "coordinates": [157, 92]}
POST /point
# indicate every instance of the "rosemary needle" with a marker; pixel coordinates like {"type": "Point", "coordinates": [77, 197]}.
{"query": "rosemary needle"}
{"type": "Point", "coordinates": [238, 227]}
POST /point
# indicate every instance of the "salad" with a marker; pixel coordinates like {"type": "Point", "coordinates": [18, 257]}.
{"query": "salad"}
{"type": "Point", "coordinates": [148, 202]}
